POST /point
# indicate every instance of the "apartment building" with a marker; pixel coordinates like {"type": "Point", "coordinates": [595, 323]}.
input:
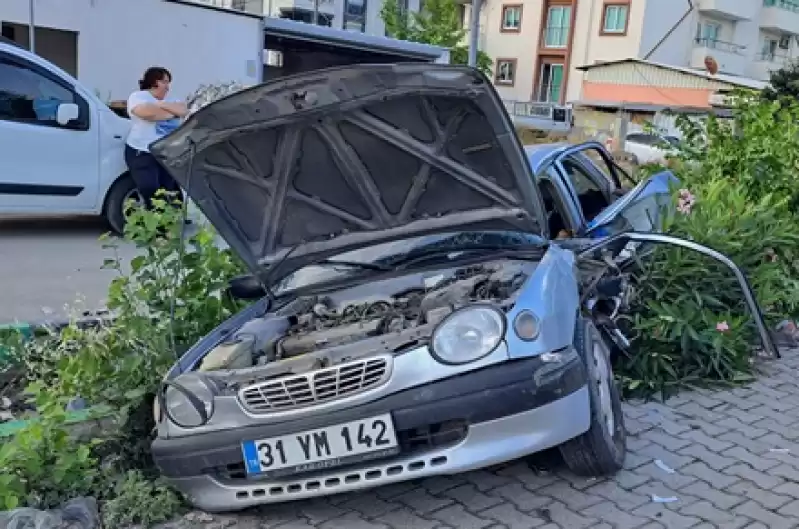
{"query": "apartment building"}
{"type": "Point", "coordinates": [539, 46]}
{"type": "Point", "coordinates": [362, 16]}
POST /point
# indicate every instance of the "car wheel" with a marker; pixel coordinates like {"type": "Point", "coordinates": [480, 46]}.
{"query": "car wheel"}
{"type": "Point", "coordinates": [601, 450]}
{"type": "Point", "coordinates": [121, 192]}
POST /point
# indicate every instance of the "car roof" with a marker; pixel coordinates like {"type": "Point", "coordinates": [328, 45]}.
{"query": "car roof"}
{"type": "Point", "coordinates": [540, 153]}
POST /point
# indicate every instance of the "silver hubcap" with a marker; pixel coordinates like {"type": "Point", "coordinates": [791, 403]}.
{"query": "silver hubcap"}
{"type": "Point", "coordinates": [603, 382]}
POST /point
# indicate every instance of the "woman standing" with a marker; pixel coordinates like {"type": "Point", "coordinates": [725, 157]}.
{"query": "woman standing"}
{"type": "Point", "coordinates": [151, 118]}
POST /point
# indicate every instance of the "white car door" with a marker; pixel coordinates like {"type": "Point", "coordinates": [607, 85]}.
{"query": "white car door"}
{"type": "Point", "coordinates": [44, 167]}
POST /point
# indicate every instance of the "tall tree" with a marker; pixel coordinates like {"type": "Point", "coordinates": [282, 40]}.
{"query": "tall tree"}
{"type": "Point", "coordinates": [439, 22]}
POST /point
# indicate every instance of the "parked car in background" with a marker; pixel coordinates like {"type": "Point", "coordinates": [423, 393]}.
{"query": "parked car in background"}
{"type": "Point", "coordinates": [650, 147]}
{"type": "Point", "coordinates": [413, 317]}
{"type": "Point", "coordinates": [62, 148]}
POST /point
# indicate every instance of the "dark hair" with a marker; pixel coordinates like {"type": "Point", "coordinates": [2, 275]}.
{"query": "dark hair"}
{"type": "Point", "coordinates": [152, 76]}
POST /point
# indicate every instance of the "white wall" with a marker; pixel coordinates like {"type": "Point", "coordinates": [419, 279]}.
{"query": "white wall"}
{"type": "Point", "coordinates": [659, 17]}
{"type": "Point", "coordinates": [119, 39]}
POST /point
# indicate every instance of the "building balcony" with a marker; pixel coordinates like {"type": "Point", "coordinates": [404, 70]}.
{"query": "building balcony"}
{"type": "Point", "coordinates": [765, 63]}
{"type": "Point", "coordinates": [729, 56]}
{"type": "Point", "coordinates": [729, 9]}
{"type": "Point", "coordinates": [254, 7]}
{"type": "Point", "coordinates": [780, 16]}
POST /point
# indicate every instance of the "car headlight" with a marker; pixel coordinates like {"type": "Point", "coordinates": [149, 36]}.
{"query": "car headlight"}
{"type": "Point", "coordinates": [189, 400]}
{"type": "Point", "coordinates": [467, 335]}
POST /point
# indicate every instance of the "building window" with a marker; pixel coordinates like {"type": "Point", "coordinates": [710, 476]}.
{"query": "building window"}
{"type": "Point", "coordinates": [511, 18]}
{"type": "Point", "coordinates": [708, 33]}
{"type": "Point", "coordinates": [614, 19]}
{"type": "Point", "coordinates": [355, 15]}
{"type": "Point", "coordinates": [556, 33]}
{"type": "Point", "coordinates": [505, 72]}
{"type": "Point", "coordinates": [550, 83]}
{"type": "Point", "coordinates": [768, 50]}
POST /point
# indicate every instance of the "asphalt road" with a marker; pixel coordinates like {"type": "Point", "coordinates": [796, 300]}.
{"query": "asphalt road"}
{"type": "Point", "coordinates": [50, 266]}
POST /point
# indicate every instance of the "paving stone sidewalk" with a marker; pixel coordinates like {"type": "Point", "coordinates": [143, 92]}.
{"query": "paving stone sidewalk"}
{"type": "Point", "coordinates": [720, 460]}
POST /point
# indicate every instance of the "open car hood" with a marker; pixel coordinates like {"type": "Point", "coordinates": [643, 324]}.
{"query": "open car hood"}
{"type": "Point", "coordinates": [297, 170]}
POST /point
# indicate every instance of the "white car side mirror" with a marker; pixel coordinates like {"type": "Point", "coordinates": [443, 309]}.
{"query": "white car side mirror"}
{"type": "Point", "coordinates": [66, 112]}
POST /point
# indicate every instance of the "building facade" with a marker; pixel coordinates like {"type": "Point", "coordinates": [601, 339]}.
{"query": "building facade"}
{"type": "Point", "coordinates": [538, 45]}
{"type": "Point", "coordinates": [361, 16]}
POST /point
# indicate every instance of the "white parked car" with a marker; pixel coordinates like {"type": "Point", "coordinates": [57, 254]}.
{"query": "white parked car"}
{"type": "Point", "coordinates": [62, 147]}
{"type": "Point", "coordinates": [649, 147]}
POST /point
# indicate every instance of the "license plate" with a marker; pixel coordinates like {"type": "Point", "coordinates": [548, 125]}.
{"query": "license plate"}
{"type": "Point", "coordinates": [322, 448]}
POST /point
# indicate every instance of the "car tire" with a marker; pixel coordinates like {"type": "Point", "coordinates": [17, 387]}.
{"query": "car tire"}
{"type": "Point", "coordinates": [114, 211]}
{"type": "Point", "coordinates": [601, 450]}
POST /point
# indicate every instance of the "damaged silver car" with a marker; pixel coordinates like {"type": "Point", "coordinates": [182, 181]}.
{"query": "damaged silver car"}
{"type": "Point", "coordinates": [412, 317]}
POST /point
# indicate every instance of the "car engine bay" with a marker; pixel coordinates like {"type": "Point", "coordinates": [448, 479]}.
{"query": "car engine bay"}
{"type": "Point", "coordinates": [315, 332]}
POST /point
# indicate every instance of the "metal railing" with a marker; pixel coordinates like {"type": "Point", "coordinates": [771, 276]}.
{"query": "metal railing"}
{"type": "Point", "coordinates": [538, 110]}
{"type": "Point", "coordinates": [255, 7]}
{"type": "Point", "coordinates": [715, 44]}
{"type": "Point", "coordinates": [770, 56]}
{"type": "Point", "coordinates": [788, 5]}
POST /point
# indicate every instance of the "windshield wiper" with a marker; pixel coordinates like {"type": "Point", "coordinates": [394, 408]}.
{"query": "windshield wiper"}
{"type": "Point", "coordinates": [356, 264]}
{"type": "Point", "coordinates": [453, 254]}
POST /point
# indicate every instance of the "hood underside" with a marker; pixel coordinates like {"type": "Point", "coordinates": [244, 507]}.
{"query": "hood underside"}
{"type": "Point", "coordinates": [328, 161]}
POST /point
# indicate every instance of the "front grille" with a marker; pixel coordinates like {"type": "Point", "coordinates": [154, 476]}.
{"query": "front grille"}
{"type": "Point", "coordinates": [413, 441]}
{"type": "Point", "coordinates": [298, 391]}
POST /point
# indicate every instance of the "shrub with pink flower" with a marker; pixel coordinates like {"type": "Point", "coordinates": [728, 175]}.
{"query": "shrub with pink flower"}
{"type": "Point", "coordinates": [685, 201]}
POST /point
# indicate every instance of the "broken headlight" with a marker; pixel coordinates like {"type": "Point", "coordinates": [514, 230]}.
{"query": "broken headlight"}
{"type": "Point", "coordinates": [189, 400]}
{"type": "Point", "coordinates": [467, 335]}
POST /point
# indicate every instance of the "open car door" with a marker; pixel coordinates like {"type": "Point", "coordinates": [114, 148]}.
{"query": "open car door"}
{"type": "Point", "coordinates": [617, 244]}
{"type": "Point", "coordinates": [641, 209]}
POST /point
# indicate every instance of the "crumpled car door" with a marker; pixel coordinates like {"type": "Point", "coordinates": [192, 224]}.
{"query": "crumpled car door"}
{"type": "Point", "coordinates": [641, 209]}
{"type": "Point", "coordinates": [618, 242]}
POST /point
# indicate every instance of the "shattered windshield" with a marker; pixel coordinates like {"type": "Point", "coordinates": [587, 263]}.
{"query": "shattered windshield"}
{"type": "Point", "coordinates": [391, 254]}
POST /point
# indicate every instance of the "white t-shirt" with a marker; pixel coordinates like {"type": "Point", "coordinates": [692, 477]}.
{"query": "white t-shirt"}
{"type": "Point", "coordinates": [142, 132]}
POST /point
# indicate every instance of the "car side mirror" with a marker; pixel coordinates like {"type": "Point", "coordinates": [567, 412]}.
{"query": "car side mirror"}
{"type": "Point", "coordinates": [246, 287]}
{"type": "Point", "coordinates": [66, 113]}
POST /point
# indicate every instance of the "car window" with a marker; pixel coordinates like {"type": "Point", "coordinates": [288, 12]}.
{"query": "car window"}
{"type": "Point", "coordinates": [594, 159]}
{"type": "Point", "coordinates": [580, 177]}
{"type": "Point", "coordinates": [29, 97]}
{"type": "Point", "coordinates": [591, 196]}
{"type": "Point", "coordinates": [645, 139]}
{"type": "Point", "coordinates": [553, 204]}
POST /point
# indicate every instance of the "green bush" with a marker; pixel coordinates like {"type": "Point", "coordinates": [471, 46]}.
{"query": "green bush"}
{"type": "Point", "coordinates": [690, 323]}
{"type": "Point", "coordinates": [42, 465]}
{"type": "Point", "coordinates": [140, 501]}
{"type": "Point", "coordinates": [171, 297]}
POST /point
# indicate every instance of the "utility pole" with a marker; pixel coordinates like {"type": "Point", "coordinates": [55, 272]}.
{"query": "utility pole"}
{"type": "Point", "coordinates": [474, 31]}
{"type": "Point", "coordinates": [316, 12]}
{"type": "Point", "coordinates": [32, 26]}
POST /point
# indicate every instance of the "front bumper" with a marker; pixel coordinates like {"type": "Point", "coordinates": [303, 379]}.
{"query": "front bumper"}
{"type": "Point", "coordinates": [481, 418]}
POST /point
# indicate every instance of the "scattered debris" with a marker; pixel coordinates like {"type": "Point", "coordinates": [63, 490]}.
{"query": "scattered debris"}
{"type": "Point", "coordinates": [658, 499]}
{"type": "Point", "coordinates": [786, 334]}
{"type": "Point", "coordinates": [80, 513]}
{"type": "Point", "coordinates": [664, 467]}
{"type": "Point", "coordinates": [197, 516]}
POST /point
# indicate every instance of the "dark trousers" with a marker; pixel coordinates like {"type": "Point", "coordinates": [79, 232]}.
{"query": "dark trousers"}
{"type": "Point", "coordinates": [148, 175]}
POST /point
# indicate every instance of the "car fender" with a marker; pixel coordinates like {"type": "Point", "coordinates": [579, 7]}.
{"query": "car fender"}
{"type": "Point", "coordinates": [552, 294]}
{"type": "Point", "coordinates": [112, 132]}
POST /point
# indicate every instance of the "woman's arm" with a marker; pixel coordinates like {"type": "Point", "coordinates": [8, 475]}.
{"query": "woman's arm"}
{"type": "Point", "coordinates": [178, 110]}
{"type": "Point", "coordinates": [151, 112]}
